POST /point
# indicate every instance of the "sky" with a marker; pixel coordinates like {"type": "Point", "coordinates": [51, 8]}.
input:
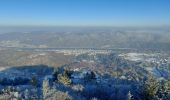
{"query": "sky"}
{"type": "Point", "coordinates": [85, 12]}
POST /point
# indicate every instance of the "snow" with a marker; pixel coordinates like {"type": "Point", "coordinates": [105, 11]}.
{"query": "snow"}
{"type": "Point", "coordinates": [156, 71]}
{"type": "Point", "coordinates": [123, 77]}
{"type": "Point", "coordinates": [3, 68]}
{"type": "Point", "coordinates": [132, 56]}
{"type": "Point", "coordinates": [25, 72]}
{"type": "Point", "coordinates": [139, 57]}
{"type": "Point", "coordinates": [36, 55]}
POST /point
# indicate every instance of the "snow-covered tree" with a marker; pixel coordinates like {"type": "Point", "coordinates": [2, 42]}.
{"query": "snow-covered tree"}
{"type": "Point", "coordinates": [45, 88]}
{"type": "Point", "coordinates": [129, 96]}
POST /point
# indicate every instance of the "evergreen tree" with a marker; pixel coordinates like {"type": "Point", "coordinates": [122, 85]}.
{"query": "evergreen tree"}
{"type": "Point", "coordinates": [129, 96]}
{"type": "Point", "coordinates": [150, 88]}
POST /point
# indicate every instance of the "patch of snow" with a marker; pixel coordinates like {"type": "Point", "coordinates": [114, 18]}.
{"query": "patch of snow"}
{"type": "Point", "coordinates": [36, 55]}
{"type": "Point", "coordinates": [139, 57]}
{"type": "Point", "coordinates": [156, 71]}
{"type": "Point", "coordinates": [123, 77]}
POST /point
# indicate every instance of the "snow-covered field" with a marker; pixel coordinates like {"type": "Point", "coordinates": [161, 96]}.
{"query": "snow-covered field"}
{"type": "Point", "coordinates": [136, 56]}
{"type": "Point", "coordinates": [143, 57]}
{"type": "Point", "coordinates": [36, 55]}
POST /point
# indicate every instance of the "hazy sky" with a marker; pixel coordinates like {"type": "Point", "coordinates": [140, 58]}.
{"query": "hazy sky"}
{"type": "Point", "coordinates": [85, 12]}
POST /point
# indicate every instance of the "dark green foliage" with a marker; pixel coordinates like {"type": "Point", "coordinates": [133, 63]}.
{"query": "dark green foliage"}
{"type": "Point", "coordinates": [149, 88]}
{"type": "Point", "coordinates": [67, 72]}
{"type": "Point", "coordinates": [167, 84]}
{"type": "Point", "coordinates": [13, 82]}
{"type": "Point", "coordinates": [62, 76]}
{"type": "Point", "coordinates": [34, 81]}
{"type": "Point", "coordinates": [93, 75]}
{"type": "Point", "coordinates": [55, 74]}
{"type": "Point", "coordinates": [89, 77]}
{"type": "Point", "coordinates": [164, 90]}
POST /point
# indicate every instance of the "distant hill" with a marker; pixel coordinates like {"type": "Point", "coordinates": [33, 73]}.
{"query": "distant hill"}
{"type": "Point", "coordinates": [89, 38]}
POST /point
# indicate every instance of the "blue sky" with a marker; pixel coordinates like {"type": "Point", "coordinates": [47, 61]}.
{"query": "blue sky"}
{"type": "Point", "coordinates": [85, 12]}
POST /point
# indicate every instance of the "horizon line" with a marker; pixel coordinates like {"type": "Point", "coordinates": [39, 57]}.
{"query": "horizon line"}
{"type": "Point", "coordinates": [114, 26]}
